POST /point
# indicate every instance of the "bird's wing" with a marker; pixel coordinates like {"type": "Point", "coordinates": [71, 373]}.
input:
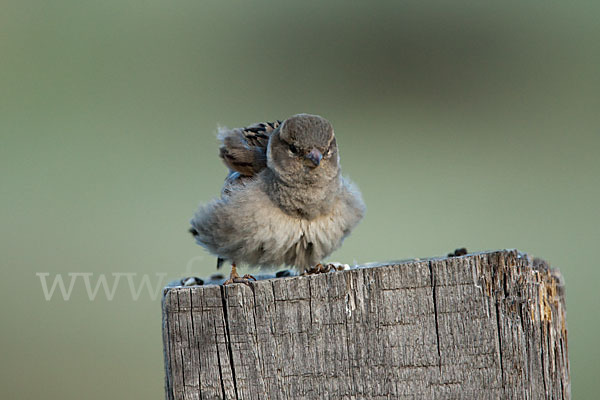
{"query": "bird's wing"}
{"type": "Point", "coordinates": [244, 150]}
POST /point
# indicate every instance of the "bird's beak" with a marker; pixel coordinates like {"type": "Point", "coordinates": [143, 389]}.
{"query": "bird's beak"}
{"type": "Point", "coordinates": [315, 157]}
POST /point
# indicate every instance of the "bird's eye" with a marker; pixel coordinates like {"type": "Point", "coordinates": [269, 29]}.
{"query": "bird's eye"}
{"type": "Point", "coordinates": [293, 149]}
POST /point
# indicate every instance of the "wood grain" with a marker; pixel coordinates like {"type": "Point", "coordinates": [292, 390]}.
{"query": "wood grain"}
{"type": "Point", "coordinates": [487, 325]}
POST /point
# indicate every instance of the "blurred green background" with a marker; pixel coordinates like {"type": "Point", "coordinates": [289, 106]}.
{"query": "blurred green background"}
{"type": "Point", "coordinates": [464, 123]}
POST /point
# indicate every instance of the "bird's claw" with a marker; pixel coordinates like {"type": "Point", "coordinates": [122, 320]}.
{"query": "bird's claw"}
{"type": "Point", "coordinates": [240, 279]}
{"type": "Point", "coordinates": [323, 269]}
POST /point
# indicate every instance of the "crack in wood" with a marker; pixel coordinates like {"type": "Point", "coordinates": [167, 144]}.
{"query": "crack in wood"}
{"type": "Point", "coordinates": [499, 326]}
{"type": "Point", "coordinates": [195, 335]}
{"type": "Point", "coordinates": [435, 312]}
{"type": "Point", "coordinates": [228, 338]}
{"type": "Point", "coordinates": [310, 311]}
{"type": "Point", "coordinates": [219, 360]}
{"type": "Point", "coordinates": [181, 349]}
{"type": "Point", "coordinates": [542, 359]}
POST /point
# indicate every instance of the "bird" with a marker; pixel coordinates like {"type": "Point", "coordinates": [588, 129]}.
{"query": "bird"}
{"type": "Point", "coordinates": [284, 200]}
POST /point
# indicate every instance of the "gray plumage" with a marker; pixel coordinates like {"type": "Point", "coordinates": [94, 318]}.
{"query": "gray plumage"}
{"type": "Point", "coordinates": [284, 200]}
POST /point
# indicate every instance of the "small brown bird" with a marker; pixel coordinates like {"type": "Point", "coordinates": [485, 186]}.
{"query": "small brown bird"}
{"type": "Point", "coordinates": [284, 200]}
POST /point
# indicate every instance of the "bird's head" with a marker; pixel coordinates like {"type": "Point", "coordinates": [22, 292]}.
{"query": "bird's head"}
{"type": "Point", "coordinates": [304, 150]}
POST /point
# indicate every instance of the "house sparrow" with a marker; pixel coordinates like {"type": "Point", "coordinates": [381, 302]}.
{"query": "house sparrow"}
{"type": "Point", "coordinates": [284, 200]}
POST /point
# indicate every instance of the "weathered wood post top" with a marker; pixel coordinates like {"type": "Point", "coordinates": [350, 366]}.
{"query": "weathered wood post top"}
{"type": "Point", "coordinates": [486, 325]}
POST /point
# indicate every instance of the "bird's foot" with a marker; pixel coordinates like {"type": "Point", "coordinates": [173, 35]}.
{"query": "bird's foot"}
{"type": "Point", "coordinates": [240, 279]}
{"type": "Point", "coordinates": [235, 278]}
{"type": "Point", "coordinates": [323, 269]}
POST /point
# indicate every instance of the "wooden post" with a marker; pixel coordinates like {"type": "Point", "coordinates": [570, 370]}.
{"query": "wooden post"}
{"type": "Point", "coordinates": [487, 325]}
